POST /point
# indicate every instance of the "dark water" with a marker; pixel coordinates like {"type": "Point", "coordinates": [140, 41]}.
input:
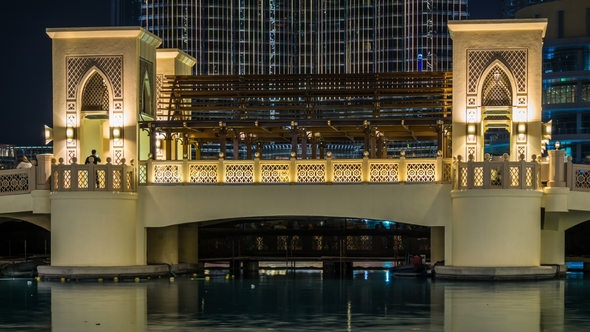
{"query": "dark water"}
{"type": "Point", "coordinates": [306, 300]}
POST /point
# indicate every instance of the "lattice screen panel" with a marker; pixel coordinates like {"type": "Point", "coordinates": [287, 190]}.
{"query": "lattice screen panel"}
{"type": "Point", "coordinates": [117, 179]}
{"type": "Point", "coordinates": [96, 95]}
{"type": "Point", "coordinates": [496, 176]}
{"type": "Point", "coordinates": [313, 173]}
{"type": "Point", "coordinates": [167, 174]}
{"type": "Point", "coordinates": [420, 172]}
{"type": "Point", "coordinates": [497, 90]}
{"type": "Point", "coordinates": [478, 176]}
{"type": "Point", "coordinates": [582, 179]}
{"type": "Point", "coordinates": [13, 183]}
{"type": "Point", "coordinates": [463, 177]}
{"type": "Point", "coordinates": [347, 173]}
{"type": "Point", "coordinates": [515, 176]}
{"type": "Point", "coordinates": [447, 174]}
{"type": "Point", "coordinates": [239, 173]}
{"type": "Point", "coordinates": [275, 173]}
{"type": "Point", "coordinates": [383, 172]}
{"type": "Point", "coordinates": [478, 61]}
{"type": "Point", "coordinates": [101, 179]}
{"type": "Point", "coordinates": [77, 67]}
{"type": "Point", "coordinates": [142, 174]}
{"type": "Point", "coordinates": [203, 174]}
{"type": "Point", "coordinates": [82, 179]}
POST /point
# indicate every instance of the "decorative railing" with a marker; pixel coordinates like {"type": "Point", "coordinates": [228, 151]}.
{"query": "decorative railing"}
{"type": "Point", "coordinates": [17, 181]}
{"type": "Point", "coordinates": [577, 176]}
{"type": "Point", "coordinates": [502, 174]}
{"type": "Point", "coordinates": [293, 171]}
{"type": "Point", "coordinates": [91, 177]}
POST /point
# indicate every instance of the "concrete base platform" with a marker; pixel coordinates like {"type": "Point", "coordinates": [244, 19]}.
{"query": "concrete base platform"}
{"type": "Point", "coordinates": [121, 272]}
{"type": "Point", "coordinates": [496, 273]}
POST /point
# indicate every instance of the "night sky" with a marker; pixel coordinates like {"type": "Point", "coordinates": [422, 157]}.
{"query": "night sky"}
{"type": "Point", "coordinates": [25, 57]}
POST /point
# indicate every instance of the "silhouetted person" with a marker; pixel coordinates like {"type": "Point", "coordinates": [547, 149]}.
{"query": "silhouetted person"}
{"type": "Point", "coordinates": [25, 163]}
{"type": "Point", "coordinates": [93, 155]}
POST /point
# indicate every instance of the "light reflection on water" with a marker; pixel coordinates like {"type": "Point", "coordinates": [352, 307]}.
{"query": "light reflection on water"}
{"type": "Point", "coordinates": [306, 300]}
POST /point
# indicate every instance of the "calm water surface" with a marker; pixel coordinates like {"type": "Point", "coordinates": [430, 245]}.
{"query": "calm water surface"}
{"type": "Point", "coordinates": [305, 300]}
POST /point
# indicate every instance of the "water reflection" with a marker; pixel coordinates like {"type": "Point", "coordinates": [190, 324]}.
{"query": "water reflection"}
{"type": "Point", "coordinates": [367, 301]}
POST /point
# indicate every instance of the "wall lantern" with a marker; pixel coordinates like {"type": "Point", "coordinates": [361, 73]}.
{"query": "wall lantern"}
{"type": "Point", "coordinates": [471, 131]}
{"type": "Point", "coordinates": [48, 134]}
{"type": "Point", "coordinates": [547, 130]}
{"type": "Point", "coordinates": [521, 128]}
{"type": "Point", "coordinates": [158, 143]}
{"type": "Point", "coordinates": [116, 132]}
{"type": "Point", "coordinates": [70, 133]}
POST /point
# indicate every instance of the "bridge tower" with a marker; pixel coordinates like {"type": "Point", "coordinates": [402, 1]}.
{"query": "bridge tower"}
{"type": "Point", "coordinates": [104, 82]}
{"type": "Point", "coordinates": [496, 88]}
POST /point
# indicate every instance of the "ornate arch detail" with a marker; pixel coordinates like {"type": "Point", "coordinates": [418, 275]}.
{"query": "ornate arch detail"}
{"type": "Point", "coordinates": [78, 67]}
{"type": "Point", "coordinates": [496, 88]}
{"type": "Point", "coordinates": [95, 94]}
{"type": "Point", "coordinates": [479, 60]}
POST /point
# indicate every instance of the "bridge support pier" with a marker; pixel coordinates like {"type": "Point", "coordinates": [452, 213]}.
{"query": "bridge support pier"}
{"type": "Point", "coordinates": [337, 268]}
{"type": "Point", "coordinates": [162, 245]}
{"type": "Point", "coordinates": [251, 266]}
{"type": "Point", "coordinates": [437, 244]}
{"type": "Point", "coordinates": [496, 235]}
{"type": "Point", "coordinates": [93, 229]}
{"type": "Point", "coordinates": [188, 243]}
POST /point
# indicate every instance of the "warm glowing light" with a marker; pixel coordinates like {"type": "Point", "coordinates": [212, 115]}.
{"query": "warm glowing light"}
{"type": "Point", "coordinates": [117, 132]}
{"type": "Point", "coordinates": [69, 132]}
{"type": "Point", "coordinates": [521, 128]}
{"type": "Point", "coordinates": [48, 134]}
{"type": "Point", "coordinates": [471, 128]}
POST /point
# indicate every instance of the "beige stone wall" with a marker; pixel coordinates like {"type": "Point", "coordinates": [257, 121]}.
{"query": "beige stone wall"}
{"type": "Point", "coordinates": [94, 229]}
{"type": "Point", "coordinates": [496, 228]}
{"type": "Point", "coordinates": [428, 204]}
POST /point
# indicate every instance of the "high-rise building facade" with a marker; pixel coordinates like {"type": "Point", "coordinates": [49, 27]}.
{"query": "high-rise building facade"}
{"type": "Point", "coordinates": [125, 12]}
{"type": "Point", "coordinates": [566, 73]}
{"type": "Point", "coordinates": [510, 7]}
{"type": "Point", "coordinates": [229, 37]}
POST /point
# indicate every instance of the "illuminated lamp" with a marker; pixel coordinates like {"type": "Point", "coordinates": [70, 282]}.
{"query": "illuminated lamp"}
{"type": "Point", "coordinates": [70, 132]}
{"type": "Point", "coordinates": [48, 134]}
{"type": "Point", "coordinates": [116, 132]}
{"type": "Point", "coordinates": [557, 145]}
{"type": "Point", "coordinates": [471, 129]}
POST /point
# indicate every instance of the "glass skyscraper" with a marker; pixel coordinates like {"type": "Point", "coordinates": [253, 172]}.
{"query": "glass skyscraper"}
{"type": "Point", "coordinates": [231, 37]}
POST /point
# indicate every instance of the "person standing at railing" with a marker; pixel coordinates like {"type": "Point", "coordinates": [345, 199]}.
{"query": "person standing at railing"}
{"type": "Point", "coordinates": [94, 159]}
{"type": "Point", "coordinates": [24, 164]}
{"type": "Point", "coordinates": [94, 155]}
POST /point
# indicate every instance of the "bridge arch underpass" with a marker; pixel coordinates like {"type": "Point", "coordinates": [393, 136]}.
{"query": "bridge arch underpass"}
{"type": "Point", "coordinates": [311, 239]}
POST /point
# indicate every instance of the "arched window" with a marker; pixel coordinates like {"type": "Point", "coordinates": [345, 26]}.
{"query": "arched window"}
{"type": "Point", "coordinates": [497, 90]}
{"type": "Point", "coordinates": [96, 95]}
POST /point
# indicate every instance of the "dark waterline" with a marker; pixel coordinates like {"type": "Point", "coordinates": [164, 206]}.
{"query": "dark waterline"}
{"type": "Point", "coordinates": [305, 300]}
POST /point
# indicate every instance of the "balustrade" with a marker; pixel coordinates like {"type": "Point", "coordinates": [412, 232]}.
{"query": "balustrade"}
{"type": "Point", "coordinates": [498, 174]}
{"type": "Point", "coordinates": [463, 175]}
{"type": "Point", "coordinates": [293, 171]}
{"type": "Point", "coordinates": [17, 181]}
{"type": "Point", "coordinates": [91, 177]}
